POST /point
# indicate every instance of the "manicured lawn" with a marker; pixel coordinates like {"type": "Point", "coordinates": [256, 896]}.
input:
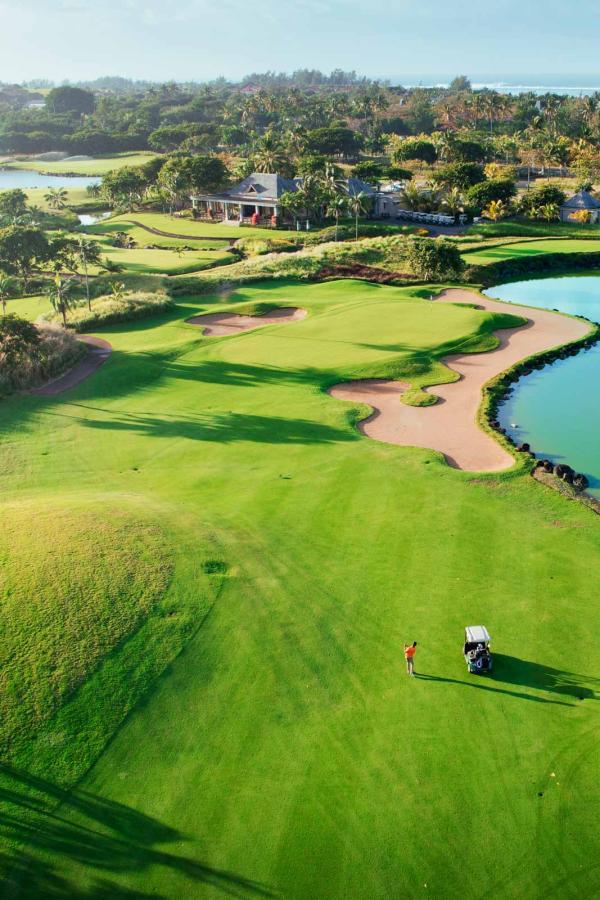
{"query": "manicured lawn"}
{"type": "Point", "coordinates": [145, 238]}
{"type": "Point", "coordinates": [531, 228]}
{"type": "Point", "coordinates": [529, 248]}
{"type": "Point", "coordinates": [285, 752]}
{"type": "Point", "coordinates": [168, 262]}
{"type": "Point", "coordinates": [193, 228]}
{"type": "Point", "coordinates": [98, 165]}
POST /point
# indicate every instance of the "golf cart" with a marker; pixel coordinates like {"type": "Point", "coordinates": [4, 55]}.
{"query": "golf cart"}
{"type": "Point", "coordinates": [477, 650]}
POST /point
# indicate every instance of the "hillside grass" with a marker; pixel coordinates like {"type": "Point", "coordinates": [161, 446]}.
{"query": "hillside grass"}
{"type": "Point", "coordinates": [285, 751]}
{"type": "Point", "coordinates": [503, 251]}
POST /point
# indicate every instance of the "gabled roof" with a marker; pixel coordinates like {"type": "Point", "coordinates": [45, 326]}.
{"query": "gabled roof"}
{"type": "Point", "coordinates": [263, 186]}
{"type": "Point", "coordinates": [582, 200]}
{"type": "Point", "coordinates": [356, 186]}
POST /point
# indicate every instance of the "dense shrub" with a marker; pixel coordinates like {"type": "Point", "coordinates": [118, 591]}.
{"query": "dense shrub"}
{"type": "Point", "coordinates": [481, 195]}
{"type": "Point", "coordinates": [544, 195]}
{"type": "Point", "coordinates": [31, 355]}
{"type": "Point", "coordinates": [434, 260]}
{"type": "Point", "coordinates": [461, 175]}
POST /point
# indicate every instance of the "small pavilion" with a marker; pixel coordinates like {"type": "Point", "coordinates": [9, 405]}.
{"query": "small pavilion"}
{"type": "Point", "coordinates": [581, 201]}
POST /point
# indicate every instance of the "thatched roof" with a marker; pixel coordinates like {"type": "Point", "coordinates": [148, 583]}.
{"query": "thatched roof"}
{"type": "Point", "coordinates": [582, 200]}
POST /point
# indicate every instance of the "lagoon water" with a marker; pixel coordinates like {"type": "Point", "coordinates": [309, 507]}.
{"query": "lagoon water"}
{"type": "Point", "coordinates": [26, 179]}
{"type": "Point", "coordinates": [556, 409]}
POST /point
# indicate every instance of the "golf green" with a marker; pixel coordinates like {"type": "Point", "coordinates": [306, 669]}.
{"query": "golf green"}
{"type": "Point", "coordinates": [284, 751]}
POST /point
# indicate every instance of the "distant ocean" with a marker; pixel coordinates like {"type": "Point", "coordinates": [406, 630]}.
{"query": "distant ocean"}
{"type": "Point", "coordinates": [576, 86]}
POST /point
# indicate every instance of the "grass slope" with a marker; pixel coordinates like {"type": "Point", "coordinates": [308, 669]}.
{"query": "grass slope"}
{"type": "Point", "coordinates": [193, 228]}
{"type": "Point", "coordinates": [285, 752]}
{"type": "Point", "coordinates": [529, 248]}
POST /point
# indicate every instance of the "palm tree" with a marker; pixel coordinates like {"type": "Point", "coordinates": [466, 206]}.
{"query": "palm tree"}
{"type": "Point", "coordinates": [59, 294]}
{"type": "Point", "coordinates": [8, 289]}
{"type": "Point", "coordinates": [93, 190]}
{"type": "Point", "coordinates": [412, 196]}
{"type": "Point", "coordinates": [495, 210]}
{"type": "Point", "coordinates": [454, 201]}
{"type": "Point", "coordinates": [56, 198]}
{"type": "Point", "coordinates": [87, 253]}
{"type": "Point", "coordinates": [549, 212]}
{"type": "Point", "coordinates": [337, 204]}
{"type": "Point", "coordinates": [357, 204]}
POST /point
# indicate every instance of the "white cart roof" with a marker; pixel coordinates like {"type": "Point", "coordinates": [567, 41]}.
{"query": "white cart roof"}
{"type": "Point", "coordinates": [477, 634]}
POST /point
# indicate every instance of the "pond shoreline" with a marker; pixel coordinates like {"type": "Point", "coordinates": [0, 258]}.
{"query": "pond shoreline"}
{"type": "Point", "coordinates": [557, 475]}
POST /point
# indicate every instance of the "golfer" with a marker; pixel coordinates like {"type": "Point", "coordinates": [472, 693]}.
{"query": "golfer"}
{"type": "Point", "coordinates": [409, 655]}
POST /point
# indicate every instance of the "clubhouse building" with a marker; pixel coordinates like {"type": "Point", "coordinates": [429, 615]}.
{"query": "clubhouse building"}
{"type": "Point", "coordinates": [257, 200]}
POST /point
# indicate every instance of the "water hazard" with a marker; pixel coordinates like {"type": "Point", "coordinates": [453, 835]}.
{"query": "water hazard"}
{"type": "Point", "coordinates": [556, 409]}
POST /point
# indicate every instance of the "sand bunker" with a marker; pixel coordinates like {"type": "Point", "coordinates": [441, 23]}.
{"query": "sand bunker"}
{"type": "Point", "coordinates": [98, 353]}
{"type": "Point", "coordinates": [450, 426]}
{"type": "Point", "coordinates": [229, 323]}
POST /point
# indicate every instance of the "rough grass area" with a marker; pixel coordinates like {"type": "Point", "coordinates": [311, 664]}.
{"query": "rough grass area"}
{"type": "Point", "coordinates": [107, 310]}
{"type": "Point", "coordinates": [57, 351]}
{"type": "Point", "coordinates": [74, 582]}
{"type": "Point", "coordinates": [285, 752]}
{"type": "Point", "coordinates": [385, 252]}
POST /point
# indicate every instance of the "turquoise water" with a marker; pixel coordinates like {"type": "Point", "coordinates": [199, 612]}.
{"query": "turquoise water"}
{"type": "Point", "coordinates": [26, 179]}
{"type": "Point", "coordinates": [556, 409]}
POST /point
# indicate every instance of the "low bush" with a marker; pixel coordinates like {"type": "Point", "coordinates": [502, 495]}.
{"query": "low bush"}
{"type": "Point", "coordinates": [31, 355]}
{"type": "Point", "coordinates": [117, 307]}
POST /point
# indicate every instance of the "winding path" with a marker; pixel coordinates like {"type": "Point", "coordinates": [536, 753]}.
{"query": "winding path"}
{"type": "Point", "coordinates": [98, 352]}
{"type": "Point", "coordinates": [450, 425]}
{"type": "Point", "coordinates": [215, 324]}
{"type": "Point", "coordinates": [183, 237]}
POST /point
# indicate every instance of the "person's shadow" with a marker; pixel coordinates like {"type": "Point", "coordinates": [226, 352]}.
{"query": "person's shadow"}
{"type": "Point", "coordinates": [510, 670]}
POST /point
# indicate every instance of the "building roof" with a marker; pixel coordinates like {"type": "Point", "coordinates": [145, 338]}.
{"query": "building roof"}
{"type": "Point", "coordinates": [263, 187]}
{"type": "Point", "coordinates": [356, 186]}
{"type": "Point", "coordinates": [582, 200]}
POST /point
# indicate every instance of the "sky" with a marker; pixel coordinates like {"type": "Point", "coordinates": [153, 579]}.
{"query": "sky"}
{"type": "Point", "coordinates": [403, 40]}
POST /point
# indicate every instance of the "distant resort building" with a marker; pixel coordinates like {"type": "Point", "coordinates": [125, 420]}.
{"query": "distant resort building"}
{"type": "Point", "coordinates": [582, 201]}
{"type": "Point", "coordinates": [257, 200]}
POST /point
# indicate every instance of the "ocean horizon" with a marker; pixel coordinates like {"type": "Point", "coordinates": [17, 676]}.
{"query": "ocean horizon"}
{"type": "Point", "coordinates": [576, 86]}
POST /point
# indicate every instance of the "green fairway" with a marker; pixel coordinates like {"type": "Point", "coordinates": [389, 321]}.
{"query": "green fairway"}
{"type": "Point", "coordinates": [97, 165]}
{"type": "Point", "coordinates": [169, 262]}
{"type": "Point", "coordinates": [145, 238]}
{"type": "Point", "coordinates": [529, 248]}
{"type": "Point", "coordinates": [284, 752]}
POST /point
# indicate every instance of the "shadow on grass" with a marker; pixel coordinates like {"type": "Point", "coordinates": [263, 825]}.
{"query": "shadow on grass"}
{"type": "Point", "coordinates": [510, 670]}
{"type": "Point", "coordinates": [55, 828]}
{"type": "Point", "coordinates": [222, 428]}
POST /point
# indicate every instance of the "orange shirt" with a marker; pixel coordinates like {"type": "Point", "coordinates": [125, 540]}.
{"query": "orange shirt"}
{"type": "Point", "coordinates": [410, 652]}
